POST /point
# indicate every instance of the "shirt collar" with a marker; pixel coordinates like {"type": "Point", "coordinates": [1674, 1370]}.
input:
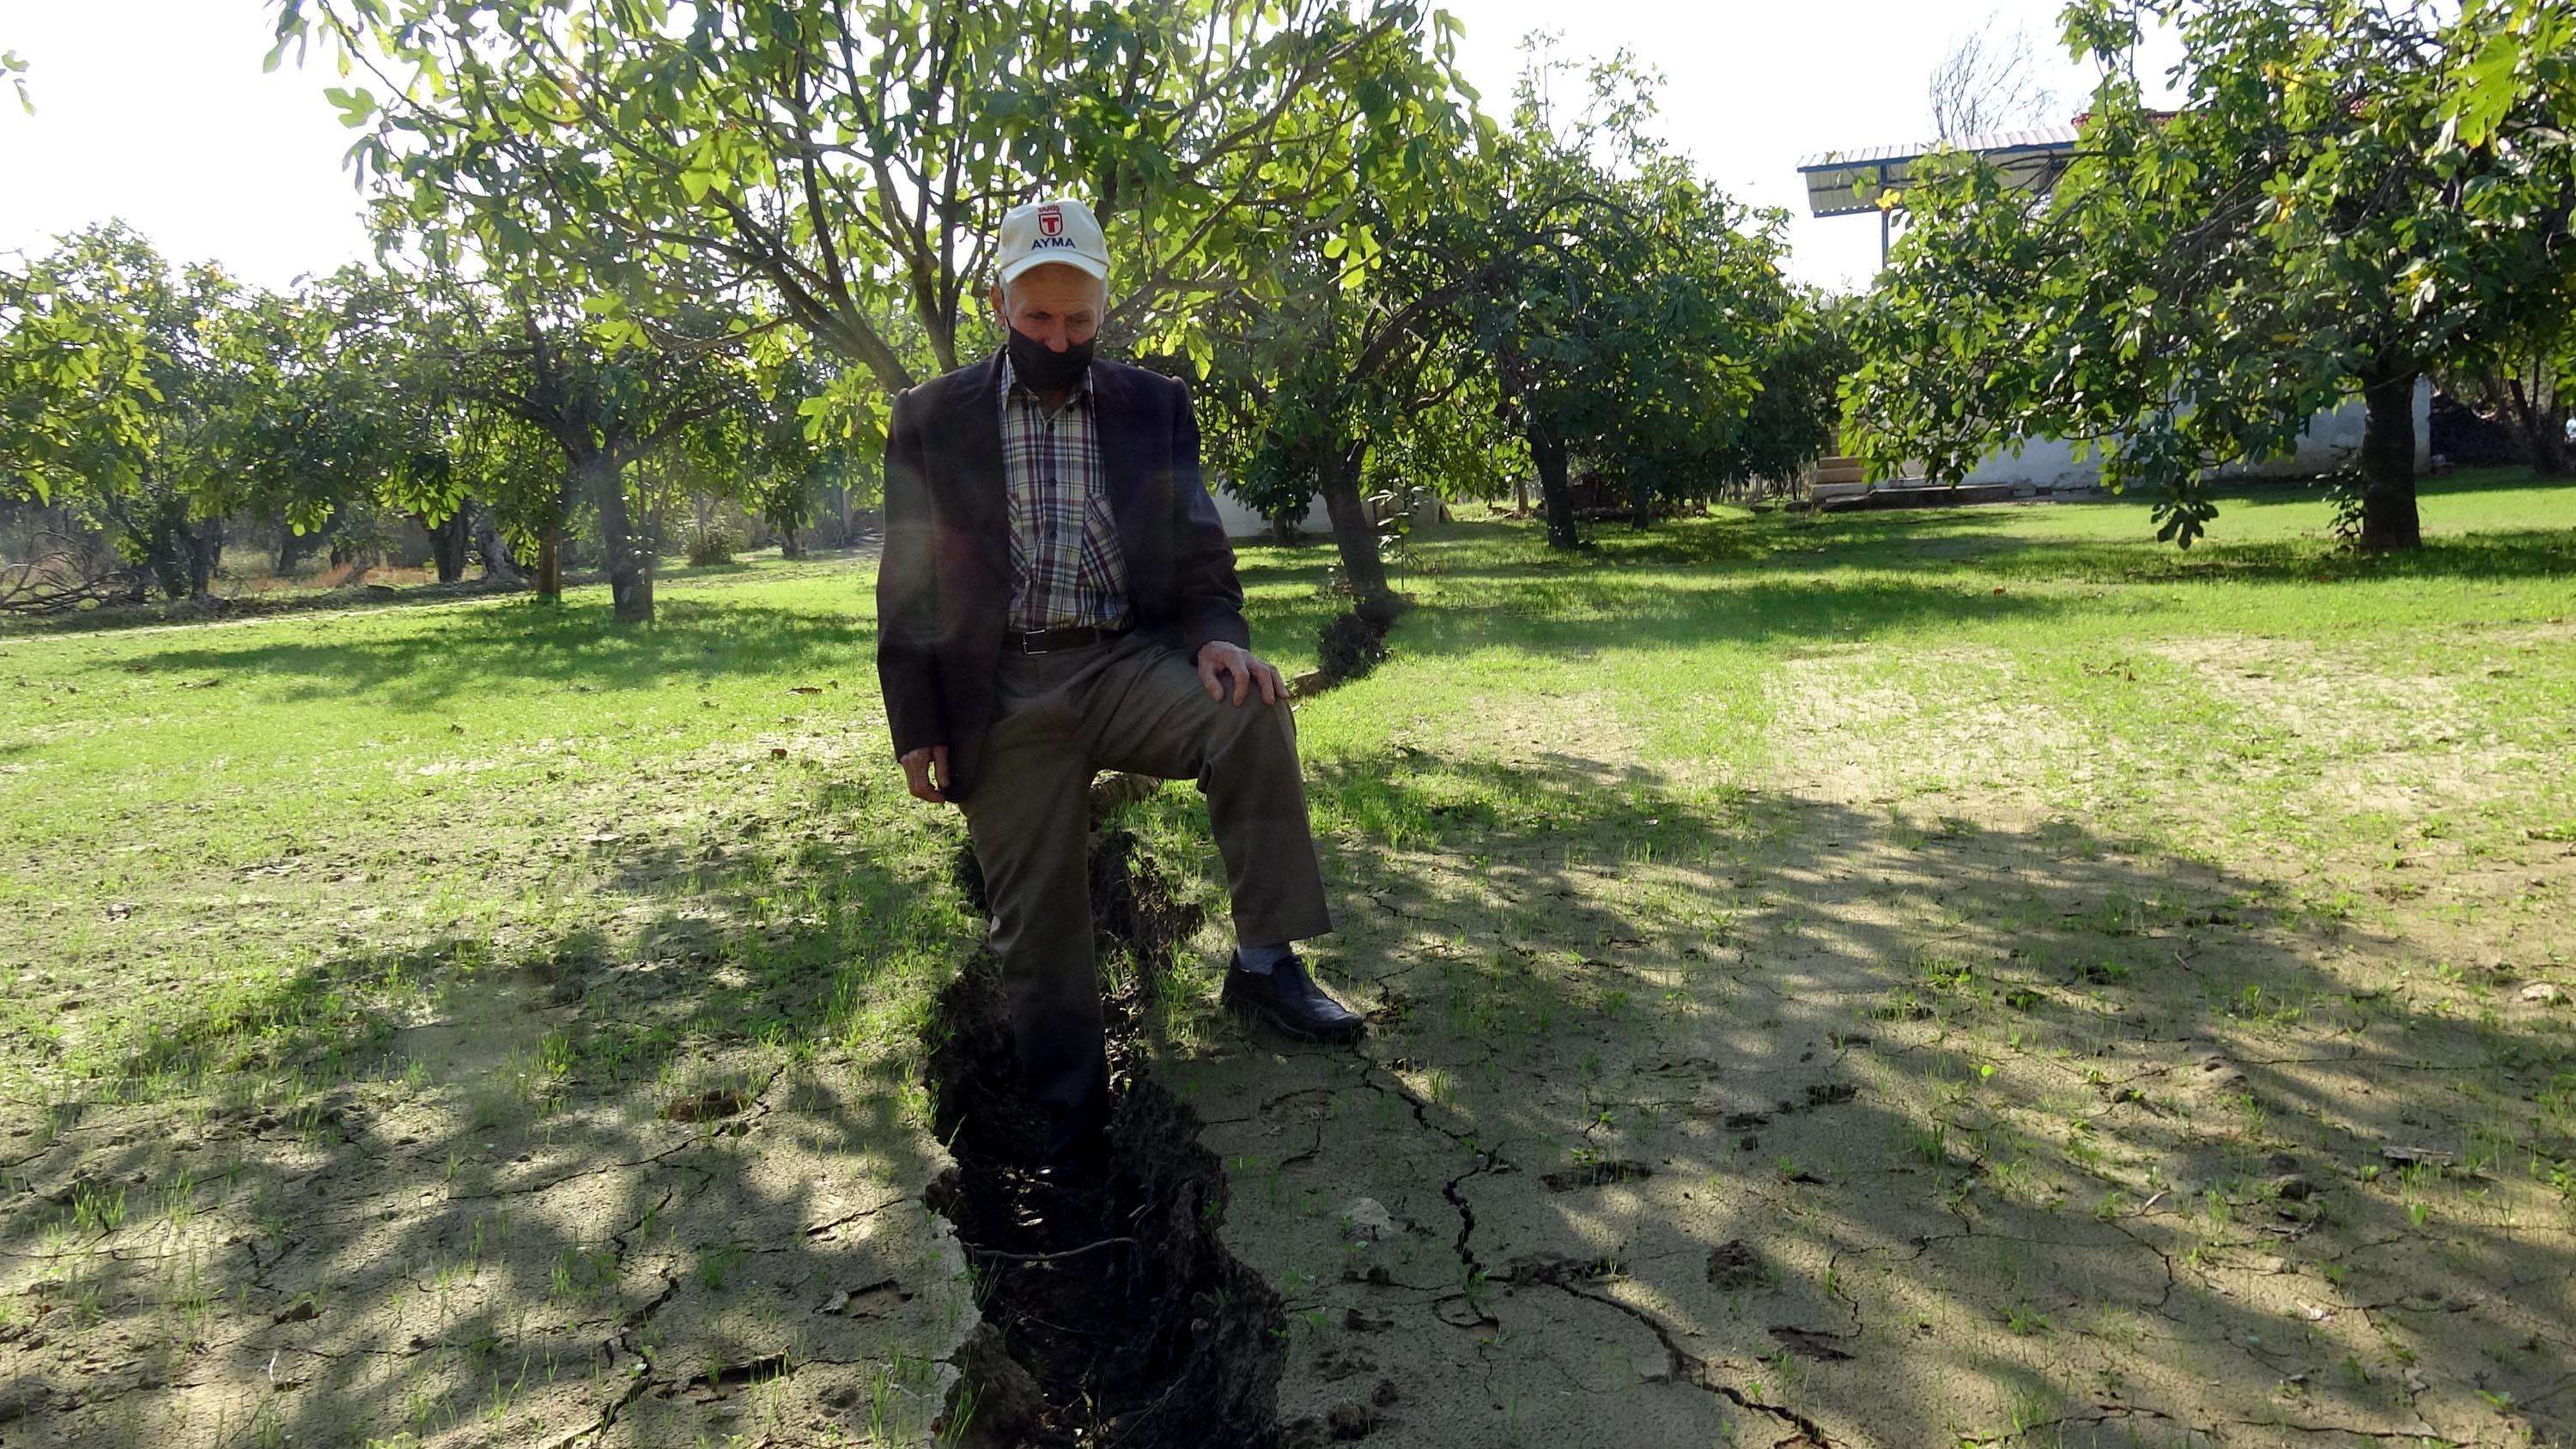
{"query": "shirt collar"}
{"type": "Point", "coordinates": [1011, 383]}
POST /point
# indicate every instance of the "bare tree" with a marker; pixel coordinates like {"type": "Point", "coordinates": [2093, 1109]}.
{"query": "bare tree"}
{"type": "Point", "coordinates": [1988, 82]}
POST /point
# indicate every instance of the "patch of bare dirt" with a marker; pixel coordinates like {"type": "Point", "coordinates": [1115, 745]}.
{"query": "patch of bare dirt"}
{"type": "Point", "coordinates": [469, 1249]}
{"type": "Point", "coordinates": [1847, 732]}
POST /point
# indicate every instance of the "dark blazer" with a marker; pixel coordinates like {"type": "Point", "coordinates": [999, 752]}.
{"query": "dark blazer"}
{"type": "Point", "coordinates": [944, 588]}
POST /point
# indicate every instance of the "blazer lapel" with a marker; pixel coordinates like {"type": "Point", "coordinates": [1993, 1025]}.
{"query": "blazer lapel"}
{"type": "Point", "coordinates": [977, 484]}
{"type": "Point", "coordinates": [1122, 462]}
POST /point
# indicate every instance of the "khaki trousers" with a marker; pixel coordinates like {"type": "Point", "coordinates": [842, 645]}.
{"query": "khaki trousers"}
{"type": "Point", "coordinates": [1133, 704]}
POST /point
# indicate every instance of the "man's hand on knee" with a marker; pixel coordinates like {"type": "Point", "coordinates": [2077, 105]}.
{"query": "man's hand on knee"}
{"type": "Point", "coordinates": [925, 772]}
{"type": "Point", "coordinates": [1232, 669]}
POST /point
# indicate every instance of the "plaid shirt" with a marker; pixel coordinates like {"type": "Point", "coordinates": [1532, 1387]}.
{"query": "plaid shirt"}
{"type": "Point", "coordinates": [1066, 568]}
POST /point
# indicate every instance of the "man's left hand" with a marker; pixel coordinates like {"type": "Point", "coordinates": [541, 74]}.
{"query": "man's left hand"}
{"type": "Point", "coordinates": [1222, 664]}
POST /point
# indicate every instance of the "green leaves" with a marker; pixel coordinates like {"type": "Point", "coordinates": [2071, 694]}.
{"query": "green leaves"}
{"type": "Point", "coordinates": [357, 107]}
{"type": "Point", "coordinates": [2486, 89]}
{"type": "Point", "coordinates": [850, 163]}
{"type": "Point", "coordinates": [2360, 189]}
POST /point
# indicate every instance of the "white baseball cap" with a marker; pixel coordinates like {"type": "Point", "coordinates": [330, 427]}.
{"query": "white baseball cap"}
{"type": "Point", "coordinates": [1058, 231]}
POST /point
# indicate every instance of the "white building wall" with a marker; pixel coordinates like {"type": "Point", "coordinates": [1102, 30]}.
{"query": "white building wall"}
{"type": "Point", "coordinates": [2331, 438]}
{"type": "Point", "coordinates": [1242, 522]}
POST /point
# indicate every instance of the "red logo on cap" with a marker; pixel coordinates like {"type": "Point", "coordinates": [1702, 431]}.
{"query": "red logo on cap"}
{"type": "Point", "coordinates": [1050, 221]}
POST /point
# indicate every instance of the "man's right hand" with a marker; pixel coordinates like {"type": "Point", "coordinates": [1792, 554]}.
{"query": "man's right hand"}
{"type": "Point", "coordinates": [925, 771]}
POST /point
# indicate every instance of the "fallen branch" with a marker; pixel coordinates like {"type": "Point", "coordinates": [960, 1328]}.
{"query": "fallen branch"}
{"type": "Point", "coordinates": [54, 584]}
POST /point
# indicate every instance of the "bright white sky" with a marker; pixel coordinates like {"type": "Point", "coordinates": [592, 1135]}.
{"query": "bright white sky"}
{"type": "Point", "coordinates": [157, 111]}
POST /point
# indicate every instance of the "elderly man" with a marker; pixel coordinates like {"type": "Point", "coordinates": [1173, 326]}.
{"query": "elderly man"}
{"type": "Point", "coordinates": [1058, 598]}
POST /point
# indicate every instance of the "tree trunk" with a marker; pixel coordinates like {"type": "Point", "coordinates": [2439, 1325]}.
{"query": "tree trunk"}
{"type": "Point", "coordinates": [449, 543]}
{"type": "Point", "coordinates": [1641, 503]}
{"type": "Point", "coordinates": [168, 548]}
{"type": "Point", "coordinates": [630, 568]}
{"type": "Point", "coordinates": [498, 565]}
{"type": "Point", "coordinates": [1548, 451]}
{"type": "Point", "coordinates": [205, 552]}
{"type": "Point", "coordinates": [789, 545]}
{"type": "Point", "coordinates": [291, 547]}
{"type": "Point", "coordinates": [550, 564]}
{"type": "Point", "coordinates": [1352, 532]}
{"type": "Point", "coordinates": [2544, 432]}
{"type": "Point", "coordinates": [2388, 518]}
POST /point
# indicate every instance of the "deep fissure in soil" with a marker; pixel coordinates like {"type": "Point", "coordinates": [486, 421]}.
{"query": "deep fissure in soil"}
{"type": "Point", "coordinates": [1112, 1313]}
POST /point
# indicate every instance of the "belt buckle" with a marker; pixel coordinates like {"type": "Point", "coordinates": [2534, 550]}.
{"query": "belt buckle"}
{"type": "Point", "coordinates": [1030, 639]}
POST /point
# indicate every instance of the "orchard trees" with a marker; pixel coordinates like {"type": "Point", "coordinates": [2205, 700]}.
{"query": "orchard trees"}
{"type": "Point", "coordinates": [125, 390]}
{"type": "Point", "coordinates": [529, 366]}
{"type": "Point", "coordinates": [1636, 308]}
{"type": "Point", "coordinates": [1565, 286]}
{"type": "Point", "coordinates": [1362, 349]}
{"type": "Point", "coordinates": [2354, 192]}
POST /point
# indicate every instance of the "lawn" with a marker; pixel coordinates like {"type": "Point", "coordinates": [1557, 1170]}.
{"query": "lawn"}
{"type": "Point", "coordinates": [1891, 978]}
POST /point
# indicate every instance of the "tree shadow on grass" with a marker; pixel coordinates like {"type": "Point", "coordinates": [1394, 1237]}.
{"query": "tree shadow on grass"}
{"type": "Point", "coordinates": [693, 640]}
{"type": "Point", "coordinates": [1620, 613]}
{"type": "Point", "coordinates": [2488, 556]}
{"type": "Point", "coordinates": [1990, 539]}
{"type": "Point", "coordinates": [1736, 584]}
{"type": "Point", "coordinates": [655, 1181]}
{"type": "Point", "coordinates": [1746, 1107]}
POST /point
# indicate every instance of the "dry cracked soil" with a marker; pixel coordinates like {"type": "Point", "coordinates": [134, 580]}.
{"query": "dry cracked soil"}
{"type": "Point", "coordinates": [448, 1267]}
{"type": "Point", "coordinates": [1806, 1127]}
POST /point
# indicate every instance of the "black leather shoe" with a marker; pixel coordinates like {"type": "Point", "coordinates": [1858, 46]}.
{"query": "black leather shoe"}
{"type": "Point", "coordinates": [1288, 998]}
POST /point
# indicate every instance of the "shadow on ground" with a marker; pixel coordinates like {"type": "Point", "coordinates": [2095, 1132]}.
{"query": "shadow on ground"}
{"type": "Point", "coordinates": [579, 1192]}
{"type": "Point", "coordinates": [1709, 1117]}
{"type": "Point", "coordinates": [521, 646]}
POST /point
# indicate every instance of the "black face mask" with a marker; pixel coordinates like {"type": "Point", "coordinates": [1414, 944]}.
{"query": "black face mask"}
{"type": "Point", "coordinates": [1044, 370]}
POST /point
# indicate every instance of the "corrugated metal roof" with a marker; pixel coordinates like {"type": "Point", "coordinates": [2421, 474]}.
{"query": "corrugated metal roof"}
{"type": "Point", "coordinates": [2044, 138]}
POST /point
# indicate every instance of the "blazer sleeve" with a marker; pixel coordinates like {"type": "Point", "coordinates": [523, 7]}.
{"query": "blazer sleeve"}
{"type": "Point", "coordinates": [908, 590]}
{"type": "Point", "coordinates": [1211, 597]}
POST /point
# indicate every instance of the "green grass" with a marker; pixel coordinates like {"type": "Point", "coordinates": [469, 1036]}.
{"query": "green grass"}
{"type": "Point", "coordinates": [243, 846]}
{"type": "Point", "coordinates": [285, 829]}
{"type": "Point", "coordinates": [1679, 649]}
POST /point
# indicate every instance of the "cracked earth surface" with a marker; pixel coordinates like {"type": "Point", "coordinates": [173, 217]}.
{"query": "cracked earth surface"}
{"type": "Point", "coordinates": [644, 1269]}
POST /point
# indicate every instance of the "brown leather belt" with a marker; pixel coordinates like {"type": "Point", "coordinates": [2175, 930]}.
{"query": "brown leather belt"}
{"type": "Point", "coordinates": [1048, 641]}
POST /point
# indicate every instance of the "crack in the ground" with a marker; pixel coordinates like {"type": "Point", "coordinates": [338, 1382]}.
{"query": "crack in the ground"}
{"type": "Point", "coordinates": [816, 1230]}
{"type": "Point", "coordinates": [1113, 1313]}
{"type": "Point", "coordinates": [2173, 1277]}
{"type": "Point", "coordinates": [1485, 1160]}
{"type": "Point", "coordinates": [2102, 1414]}
{"type": "Point", "coordinates": [639, 1371]}
{"type": "Point", "coordinates": [1834, 1289]}
{"type": "Point", "coordinates": [1686, 1367]}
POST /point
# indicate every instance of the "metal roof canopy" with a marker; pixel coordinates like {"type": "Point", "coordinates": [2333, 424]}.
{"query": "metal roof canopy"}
{"type": "Point", "coordinates": [1849, 183]}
